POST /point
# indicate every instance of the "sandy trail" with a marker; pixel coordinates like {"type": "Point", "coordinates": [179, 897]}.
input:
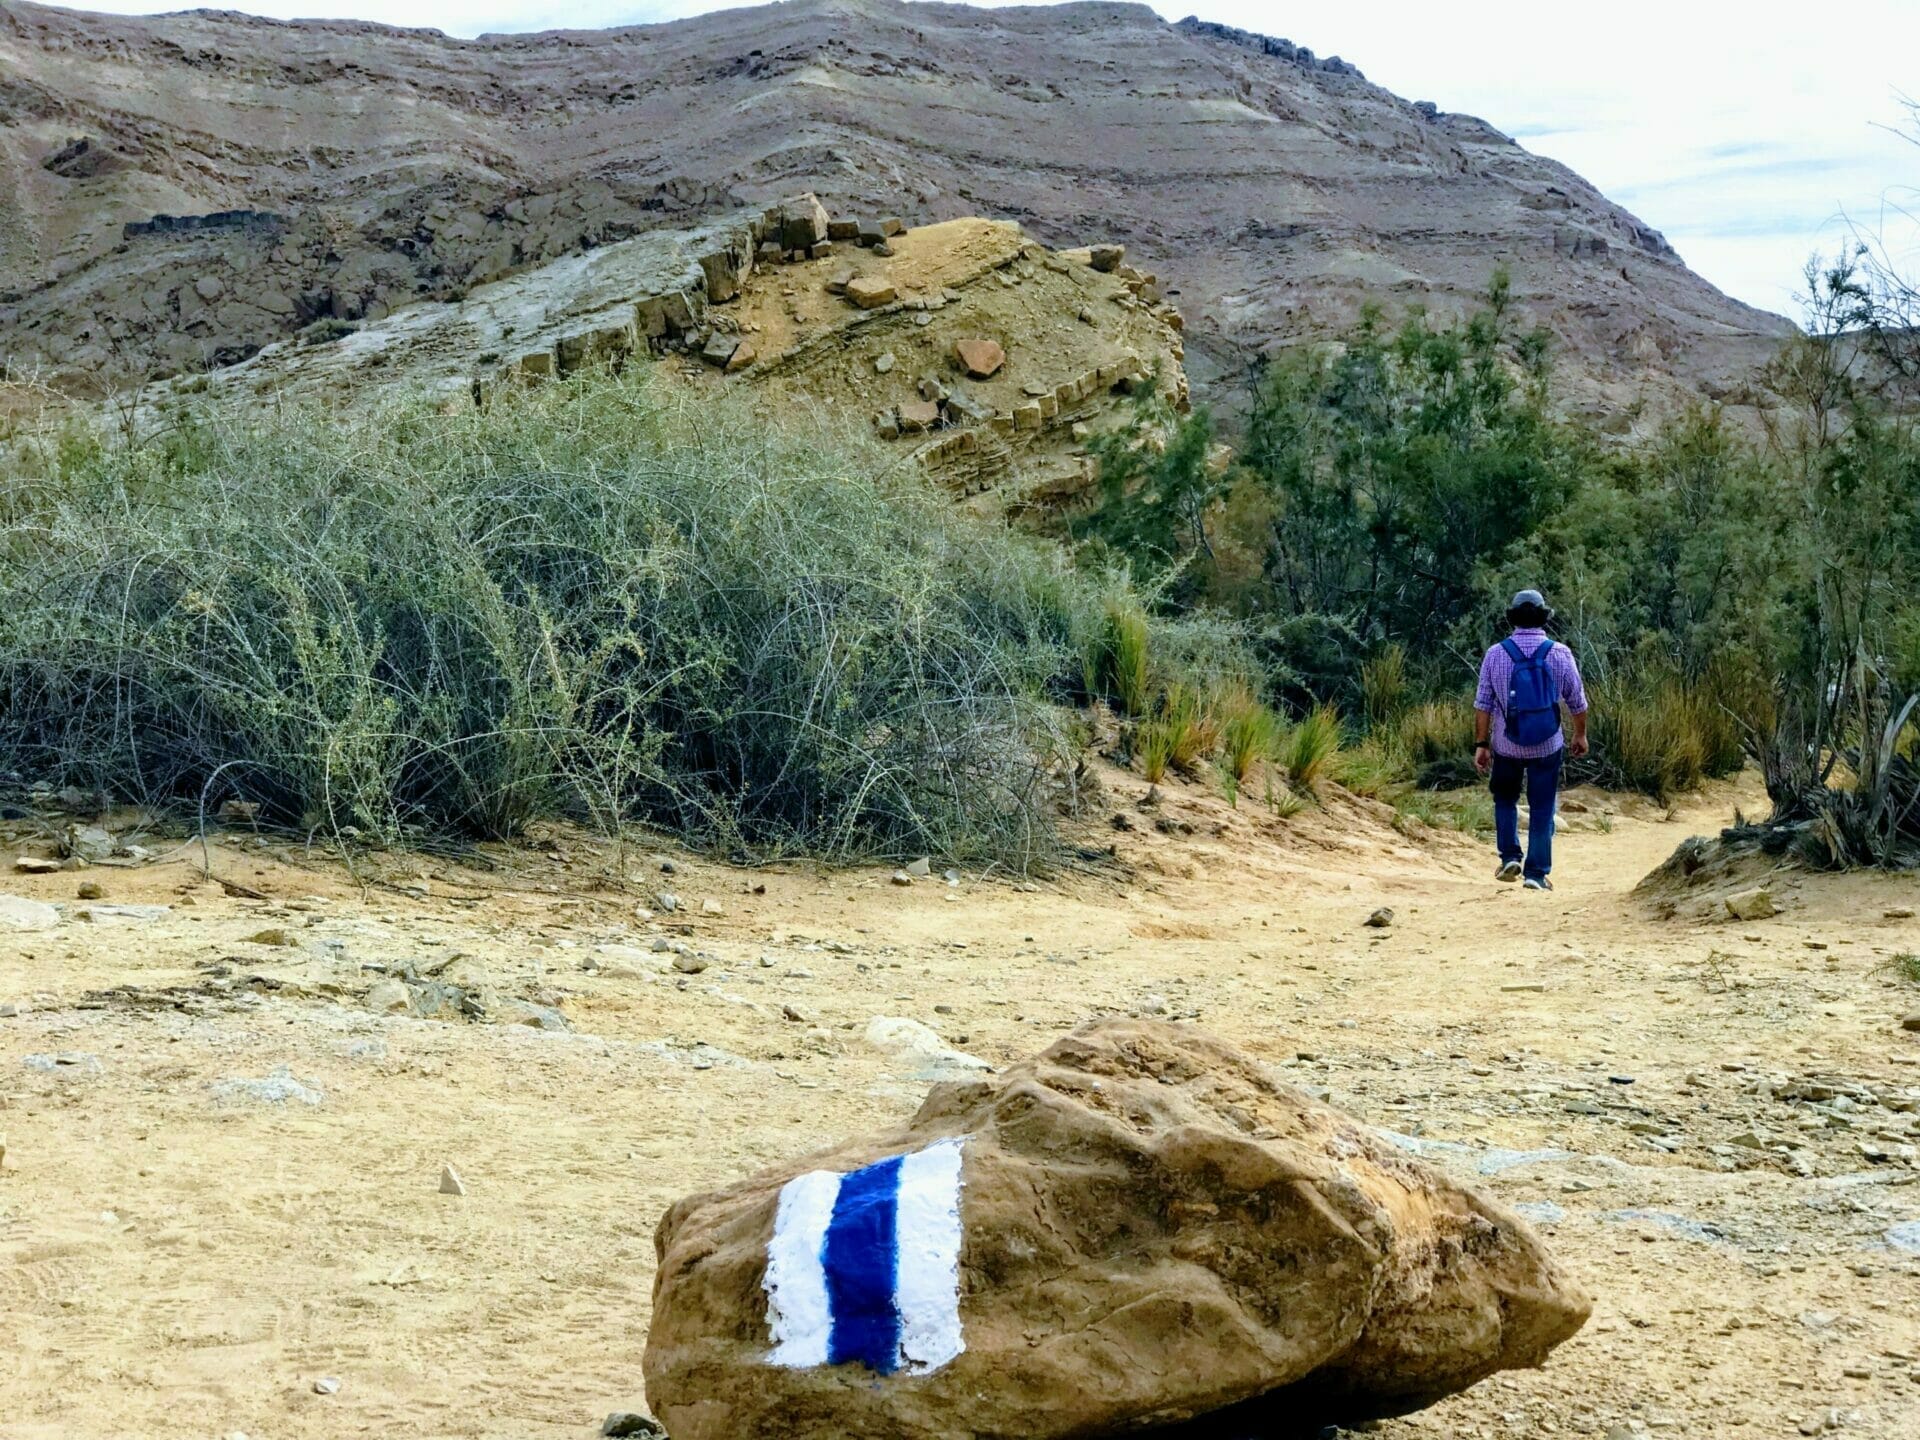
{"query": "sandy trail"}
{"type": "Point", "coordinates": [184, 1252]}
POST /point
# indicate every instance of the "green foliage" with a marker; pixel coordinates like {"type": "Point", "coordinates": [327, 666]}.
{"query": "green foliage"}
{"type": "Point", "coordinates": [1661, 735]}
{"type": "Point", "coordinates": [1117, 660]}
{"type": "Point", "coordinates": [1383, 684]}
{"type": "Point", "coordinates": [1309, 747]}
{"type": "Point", "coordinates": [1396, 464]}
{"type": "Point", "coordinates": [1180, 733]}
{"type": "Point", "coordinates": [1283, 800]}
{"type": "Point", "coordinates": [1156, 487]}
{"type": "Point", "coordinates": [1904, 966]}
{"type": "Point", "coordinates": [1247, 733]}
{"type": "Point", "coordinates": [579, 601]}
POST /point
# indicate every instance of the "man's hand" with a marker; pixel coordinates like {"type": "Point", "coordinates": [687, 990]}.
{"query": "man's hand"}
{"type": "Point", "coordinates": [1483, 760]}
{"type": "Point", "coordinates": [1578, 747]}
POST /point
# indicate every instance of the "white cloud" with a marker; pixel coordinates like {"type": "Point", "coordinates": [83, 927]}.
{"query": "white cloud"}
{"type": "Point", "coordinates": [1742, 132]}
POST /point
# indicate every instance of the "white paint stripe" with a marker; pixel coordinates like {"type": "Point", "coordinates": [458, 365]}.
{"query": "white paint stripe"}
{"type": "Point", "coordinates": [798, 1312]}
{"type": "Point", "coordinates": [927, 1285]}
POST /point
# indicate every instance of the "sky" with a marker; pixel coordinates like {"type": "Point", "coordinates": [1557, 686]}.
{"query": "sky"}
{"type": "Point", "coordinates": [1750, 134]}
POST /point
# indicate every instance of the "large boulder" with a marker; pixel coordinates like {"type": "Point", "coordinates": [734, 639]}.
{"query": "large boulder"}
{"type": "Point", "coordinates": [1138, 1227]}
{"type": "Point", "coordinates": [803, 223]}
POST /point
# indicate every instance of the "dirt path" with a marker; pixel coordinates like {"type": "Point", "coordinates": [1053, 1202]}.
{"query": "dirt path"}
{"type": "Point", "coordinates": [221, 1174]}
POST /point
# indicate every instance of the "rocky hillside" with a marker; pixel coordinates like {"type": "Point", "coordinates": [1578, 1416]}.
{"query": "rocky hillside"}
{"type": "Point", "coordinates": [337, 171]}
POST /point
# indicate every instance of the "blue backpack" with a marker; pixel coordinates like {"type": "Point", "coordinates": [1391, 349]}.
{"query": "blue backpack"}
{"type": "Point", "coordinates": [1533, 696]}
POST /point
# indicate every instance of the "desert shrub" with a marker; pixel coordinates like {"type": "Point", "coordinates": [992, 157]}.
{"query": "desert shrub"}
{"type": "Point", "coordinates": [1661, 736]}
{"type": "Point", "coordinates": [1284, 800]}
{"type": "Point", "coordinates": [1372, 768]}
{"type": "Point", "coordinates": [1178, 735]}
{"type": "Point", "coordinates": [1117, 661]}
{"type": "Point", "coordinates": [1247, 732]}
{"type": "Point", "coordinates": [1308, 747]}
{"type": "Point", "coordinates": [1383, 685]}
{"type": "Point", "coordinates": [581, 600]}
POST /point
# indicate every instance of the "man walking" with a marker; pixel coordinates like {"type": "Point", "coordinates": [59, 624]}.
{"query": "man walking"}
{"type": "Point", "coordinates": [1524, 680]}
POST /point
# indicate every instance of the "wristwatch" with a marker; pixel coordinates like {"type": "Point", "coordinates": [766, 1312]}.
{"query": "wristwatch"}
{"type": "Point", "coordinates": [1483, 745]}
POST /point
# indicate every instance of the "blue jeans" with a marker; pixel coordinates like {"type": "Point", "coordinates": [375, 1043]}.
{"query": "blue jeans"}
{"type": "Point", "coordinates": [1542, 780]}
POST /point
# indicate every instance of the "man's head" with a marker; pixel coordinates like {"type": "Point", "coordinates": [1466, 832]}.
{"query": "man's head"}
{"type": "Point", "coordinates": [1529, 610]}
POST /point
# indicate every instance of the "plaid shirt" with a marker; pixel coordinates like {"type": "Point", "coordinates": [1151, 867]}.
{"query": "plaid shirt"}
{"type": "Point", "coordinates": [1496, 678]}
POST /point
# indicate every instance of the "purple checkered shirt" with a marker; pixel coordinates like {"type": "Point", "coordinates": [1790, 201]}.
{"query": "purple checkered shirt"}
{"type": "Point", "coordinates": [1496, 678]}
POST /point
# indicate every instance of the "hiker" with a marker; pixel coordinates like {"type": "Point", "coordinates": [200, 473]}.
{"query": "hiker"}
{"type": "Point", "coordinates": [1524, 681]}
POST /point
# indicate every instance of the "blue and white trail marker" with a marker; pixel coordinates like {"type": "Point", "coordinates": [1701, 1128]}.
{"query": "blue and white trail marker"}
{"type": "Point", "coordinates": [866, 1267]}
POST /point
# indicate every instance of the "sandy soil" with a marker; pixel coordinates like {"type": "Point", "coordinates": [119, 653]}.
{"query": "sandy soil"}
{"type": "Point", "coordinates": [186, 1251]}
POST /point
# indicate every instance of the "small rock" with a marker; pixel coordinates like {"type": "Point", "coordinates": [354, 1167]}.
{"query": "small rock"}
{"type": "Point", "coordinates": [666, 900]}
{"type": "Point", "coordinates": [711, 907]}
{"type": "Point", "coordinates": [525, 1012]}
{"type": "Point", "coordinates": [625, 1422]}
{"type": "Point", "coordinates": [273, 935]}
{"type": "Point", "coordinates": [789, 1012]}
{"type": "Point", "coordinates": [389, 997]}
{"type": "Point", "coordinates": [326, 1385]}
{"type": "Point", "coordinates": [1381, 918]}
{"type": "Point", "coordinates": [870, 292]}
{"type": "Point", "coordinates": [451, 1183]}
{"type": "Point", "coordinates": [1107, 258]}
{"type": "Point", "coordinates": [981, 359]}
{"type": "Point", "coordinates": [1899, 912]}
{"type": "Point", "coordinates": [920, 869]}
{"type": "Point", "coordinates": [718, 352]}
{"type": "Point", "coordinates": [36, 865]}
{"type": "Point", "coordinates": [90, 843]}
{"type": "Point", "coordinates": [689, 963]}
{"type": "Point", "coordinates": [1754, 904]}
{"type": "Point", "coordinates": [916, 415]}
{"type": "Point", "coordinates": [90, 890]}
{"type": "Point", "coordinates": [1911, 1023]}
{"type": "Point", "coordinates": [239, 812]}
{"type": "Point", "coordinates": [742, 358]}
{"type": "Point", "coordinates": [900, 877]}
{"type": "Point", "coordinates": [884, 365]}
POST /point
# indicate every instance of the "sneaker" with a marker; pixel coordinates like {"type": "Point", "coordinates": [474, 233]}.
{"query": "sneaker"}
{"type": "Point", "coordinates": [1508, 872]}
{"type": "Point", "coordinates": [1539, 882]}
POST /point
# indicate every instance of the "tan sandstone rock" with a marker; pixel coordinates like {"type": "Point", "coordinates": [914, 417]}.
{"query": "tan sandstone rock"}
{"type": "Point", "coordinates": [1141, 1226]}
{"type": "Point", "coordinates": [981, 359]}
{"type": "Point", "coordinates": [870, 292]}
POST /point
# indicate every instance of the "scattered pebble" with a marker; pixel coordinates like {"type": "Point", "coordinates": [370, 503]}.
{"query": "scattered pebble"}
{"type": "Point", "coordinates": [451, 1183]}
{"type": "Point", "coordinates": [326, 1385]}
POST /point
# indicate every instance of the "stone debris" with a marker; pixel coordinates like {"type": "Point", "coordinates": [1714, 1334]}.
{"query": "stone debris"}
{"type": "Point", "coordinates": [870, 292]}
{"type": "Point", "coordinates": [326, 1385]}
{"type": "Point", "coordinates": [1381, 918]}
{"type": "Point", "coordinates": [451, 1183]}
{"type": "Point", "coordinates": [1107, 258]}
{"type": "Point", "coordinates": [1754, 904]}
{"type": "Point", "coordinates": [626, 1422]}
{"type": "Point", "coordinates": [920, 1048]}
{"type": "Point", "coordinates": [274, 936]}
{"type": "Point", "coordinates": [1145, 1228]}
{"type": "Point", "coordinates": [277, 1087]}
{"type": "Point", "coordinates": [20, 914]}
{"type": "Point", "coordinates": [36, 865]}
{"type": "Point", "coordinates": [981, 359]}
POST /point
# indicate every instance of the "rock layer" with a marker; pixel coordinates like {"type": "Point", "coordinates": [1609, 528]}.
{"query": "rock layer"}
{"type": "Point", "coordinates": [1152, 1229]}
{"type": "Point", "coordinates": [353, 169]}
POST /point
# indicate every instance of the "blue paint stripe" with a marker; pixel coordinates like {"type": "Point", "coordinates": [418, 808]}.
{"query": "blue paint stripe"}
{"type": "Point", "coordinates": [861, 1259]}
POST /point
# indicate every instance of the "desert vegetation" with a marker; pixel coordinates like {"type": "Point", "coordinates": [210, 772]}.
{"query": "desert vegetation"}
{"type": "Point", "coordinates": [1732, 594]}
{"type": "Point", "coordinates": [586, 602]}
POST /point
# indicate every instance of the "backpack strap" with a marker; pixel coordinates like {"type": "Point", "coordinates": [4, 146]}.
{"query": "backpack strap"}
{"type": "Point", "coordinates": [1514, 652]}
